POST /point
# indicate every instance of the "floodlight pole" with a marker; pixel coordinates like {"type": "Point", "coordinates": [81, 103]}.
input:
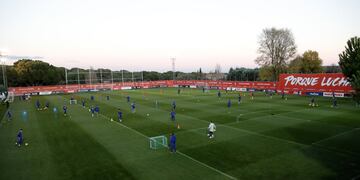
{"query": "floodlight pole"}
{"type": "Point", "coordinates": [101, 80]}
{"type": "Point", "coordinates": [90, 77]}
{"type": "Point", "coordinates": [132, 77]}
{"type": "Point", "coordinates": [122, 77]}
{"type": "Point", "coordinates": [4, 75]}
{"type": "Point", "coordinates": [3, 72]}
{"type": "Point", "coordinates": [78, 76]}
{"type": "Point", "coordinates": [112, 80]}
{"type": "Point", "coordinates": [142, 79]}
{"type": "Point", "coordinates": [66, 78]}
{"type": "Point", "coordinates": [173, 68]}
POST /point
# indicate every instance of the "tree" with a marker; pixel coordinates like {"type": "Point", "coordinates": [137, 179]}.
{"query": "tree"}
{"type": "Point", "coordinates": [265, 73]}
{"type": "Point", "coordinates": [217, 69]}
{"type": "Point", "coordinates": [277, 46]}
{"type": "Point", "coordinates": [35, 72]}
{"type": "Point", "coordinates": [295, 65]}
{"type": "Point", "coordinates": [309, 62]}
{"type": "Point", "coordinates": [200, 74]}
{"type": "Point", "coordinates": [11, 76]}
{"type": "Point", "coordinates": [333, 68]}
{"type": "Point", "coordinates": [243, 74]}
{"type": "Point", "coordinates": [350, 65]}
{"type": "Point", "coordinates": [151, 76]}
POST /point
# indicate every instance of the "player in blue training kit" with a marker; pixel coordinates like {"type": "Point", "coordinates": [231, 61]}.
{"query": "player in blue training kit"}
{"type": "Point", "coordinates": [9, 115]}
{"type": "Point", "coordinates": [92, 98]}
{"type": "Point", "coordinates": [65, 110]}
{"type": "Point", "coordinates": [119, 115]}
{"type": "Point", "coordinates": [229, 104]}
{"type": "Point", "coordinates": [219, 94]}
{"type": "Point", "coordinates": [172, 115]}
{"type": "Point", "coordinates": [97, 110]}
{"type": "Point", "coordinates": [19, 138]}
{"type": "Point", "coordinates": [107, 97]}
{"type": "Point", "coordinates": [37, 104]}
{"type": "Point", "coordinates": [128, 99]}
{"type": "Point", "coordinates": [174, 105]}
{"type": "Point", "coordinates": [133, 110]}
{"type": "Point", "coordinates": [92, 110]}
{"type": "Point", "coordinates": [172, 143]}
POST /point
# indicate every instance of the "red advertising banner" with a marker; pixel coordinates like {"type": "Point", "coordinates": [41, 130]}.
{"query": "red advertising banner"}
{"type": "Point", "coordinates": [149, 84]}
{"type": "Point", "coordinates": [333, 82]}
{"type": "Point", "coordinates": [289, 83]}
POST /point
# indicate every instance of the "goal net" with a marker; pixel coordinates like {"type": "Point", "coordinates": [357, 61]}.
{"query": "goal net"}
{"type": "Point", "coordinates": [73, 101]}
{"type": "Point", "coordinates": [158, 142]}
{"type": "Point", "coordinates": [10, 97]}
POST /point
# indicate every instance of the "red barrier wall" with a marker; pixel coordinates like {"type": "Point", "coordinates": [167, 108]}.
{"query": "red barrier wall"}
{"type": "Point", "coordinates": [150, 84]}
{"type": "Point", "coordinates": [334, 82]}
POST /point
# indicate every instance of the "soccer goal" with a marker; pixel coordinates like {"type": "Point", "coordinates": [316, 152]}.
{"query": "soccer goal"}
{"type": "Point", "coordinates": [73, 101]}
{"type": "Point", "coordinates": [158, 142]}
{"type": "Point", "coordinates": [10, 97]}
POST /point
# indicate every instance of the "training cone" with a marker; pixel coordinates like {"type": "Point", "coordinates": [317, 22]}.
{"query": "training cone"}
{"type": "Point", "coordinates": [178, 126]}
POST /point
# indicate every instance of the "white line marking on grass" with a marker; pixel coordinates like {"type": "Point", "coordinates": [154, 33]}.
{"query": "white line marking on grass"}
{"type": "Point", "coordinates": [3, 118]}
{"type": "Point", "coordinates": [283, 116]}
{"type": "Point", "coordinates": [137, 132]}
{"type": "Point", "coordinates": [191, 130]}
{"type": "Point", "coordinates": [331, 149]}
{"type": "Point", "coordinates": [344, 153]}
{"type": "Point", "coordinates": [227, 175]}
{"type": "Point", "coordinates": [199, 162]}
{"type": "Point", "coordinates": [337, 135]}
{"type": "Point", "coordinates": [262, 135]}
{"type": "Point", "coordinates": [317, 121]}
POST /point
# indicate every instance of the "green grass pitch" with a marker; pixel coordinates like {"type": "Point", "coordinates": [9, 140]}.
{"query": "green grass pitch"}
{"type": "Point", "coordinates": [262, 138]}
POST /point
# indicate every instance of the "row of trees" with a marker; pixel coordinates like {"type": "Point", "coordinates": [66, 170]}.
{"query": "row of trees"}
{"type": "Point", "coordinates": [298, 65]}
{"type": "Point", "coordinates": [243, 74]}
{"type": "Point", "coordinates": [28, 72]}
{"type": "Point", "coordinates": [33, 73]}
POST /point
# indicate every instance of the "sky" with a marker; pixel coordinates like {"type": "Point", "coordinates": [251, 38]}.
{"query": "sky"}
{"type": "Point", "coordinates": [146, 34]}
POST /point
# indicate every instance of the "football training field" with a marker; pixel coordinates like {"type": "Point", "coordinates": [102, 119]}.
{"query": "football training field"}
{"type": "Point", "coordinates": [263, 138]}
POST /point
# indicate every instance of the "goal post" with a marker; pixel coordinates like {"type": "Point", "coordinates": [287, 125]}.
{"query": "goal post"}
{"type": "Point", "coordinates": [10, 97]}
{"type": "Point", "coordinates": [73, 101]}
{"type": "Point", "coordinates": [158, 142]}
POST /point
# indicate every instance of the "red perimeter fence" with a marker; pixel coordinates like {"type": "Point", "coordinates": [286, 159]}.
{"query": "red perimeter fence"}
{"type": "Point", "coordinates": [288, 83]}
